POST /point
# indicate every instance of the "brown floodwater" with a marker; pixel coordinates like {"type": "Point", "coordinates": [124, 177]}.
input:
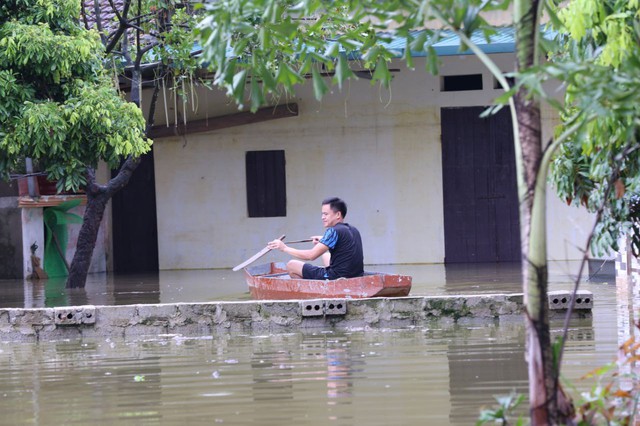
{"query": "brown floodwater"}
{"type": "Point", "coordinates": [224, 284]}
{"type": "Point", "coordinates": [431, 375]}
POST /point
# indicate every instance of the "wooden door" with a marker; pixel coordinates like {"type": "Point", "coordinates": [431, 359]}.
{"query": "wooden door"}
{"type": "Point", "coordinates": [135, 231]}
{"type": "Point", "coordinates": [481, 222]}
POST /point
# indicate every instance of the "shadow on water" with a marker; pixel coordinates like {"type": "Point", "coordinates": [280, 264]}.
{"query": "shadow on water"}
{"type": "Point", "coordinates": [225, 285]}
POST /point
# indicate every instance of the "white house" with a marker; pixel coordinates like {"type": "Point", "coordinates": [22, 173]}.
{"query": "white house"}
{"type": "Point", "coordinates": [398, 157]}
{"type": "Point", "coordinates": [426, 180]}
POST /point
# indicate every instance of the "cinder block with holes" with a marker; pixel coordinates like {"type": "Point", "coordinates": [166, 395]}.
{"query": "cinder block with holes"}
{"type": "Point", "coordinates": [312, 308]}
{"type": "Point", "coordinates": [75, 315]}
{"type": "Point", "coordinates": [335, 307]}
{"type": "Point", "coordinates": [584, 300]}
{"type": "Point", "coordinates": [559, 299]}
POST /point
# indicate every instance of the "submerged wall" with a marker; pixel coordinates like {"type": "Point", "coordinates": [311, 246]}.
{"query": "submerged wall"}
{"type": "Point", "coordinates": [197, 319]}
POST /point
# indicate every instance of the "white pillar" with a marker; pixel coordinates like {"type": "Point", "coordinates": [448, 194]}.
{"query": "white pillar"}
{"type": "Point", "coordinates": [32, 232]}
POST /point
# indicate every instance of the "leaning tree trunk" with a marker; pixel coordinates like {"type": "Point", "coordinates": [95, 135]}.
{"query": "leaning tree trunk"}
{"type": "Point", "coordinates": [99, 195]}
{"type": "Point", "coordinates": [97, 198]}
{"type": "Point", "coordinates": [546, 406]}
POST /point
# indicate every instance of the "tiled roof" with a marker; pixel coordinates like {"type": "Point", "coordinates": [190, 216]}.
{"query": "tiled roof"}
{"type": "Point", "coordinates": [106, 11]}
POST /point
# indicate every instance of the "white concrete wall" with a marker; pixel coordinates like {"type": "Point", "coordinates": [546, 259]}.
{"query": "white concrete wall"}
{"type": "Point", "coordinates": [380, 150]}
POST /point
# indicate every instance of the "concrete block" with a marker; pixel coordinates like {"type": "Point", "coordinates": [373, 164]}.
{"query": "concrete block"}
{"type": "Point", "coordinates": [312, 308]}
{"type": "Point", "coordinates": [74, 315]}
{"type": "Point", "coordinates": [278, 314]}
{"type": "Point", "coordinates": [118, 316]}
{"type": "Point", "coordinates": [239, 310]}
{"type": "Point", "coordinates": [30, 317]}
{"type": "Point", "coordinates": [558, 299]}
{"type": "Point", "coordinates": [561, 299]}
{"type": "Point", "coordinates": [584, 300]}
{"type": "Point", "coordinates": [408, 308]}
{"type": "Point", "coordinates": [335, 307]}
{"type": "Point", "coordinates": [156, 315]}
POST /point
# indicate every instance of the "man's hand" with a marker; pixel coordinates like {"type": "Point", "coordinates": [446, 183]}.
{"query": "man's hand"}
{"type": "Point", "coordinates": [277, 245]}
{"type": "Point", "coordinates": [316, 239]}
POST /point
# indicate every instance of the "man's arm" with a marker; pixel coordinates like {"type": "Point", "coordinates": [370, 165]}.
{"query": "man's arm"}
{"type": "Point", "coordinates": [309, 254]}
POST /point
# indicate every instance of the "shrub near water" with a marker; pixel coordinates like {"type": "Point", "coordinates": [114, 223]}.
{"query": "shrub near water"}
{"type": "Point", "coordinates": [612, 400]}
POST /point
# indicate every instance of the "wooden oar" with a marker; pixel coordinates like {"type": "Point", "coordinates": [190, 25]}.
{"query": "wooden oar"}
{"type": "Point", "coordinates": [255, 257]}
{"type": "Point", "coordinates": [308, 240]}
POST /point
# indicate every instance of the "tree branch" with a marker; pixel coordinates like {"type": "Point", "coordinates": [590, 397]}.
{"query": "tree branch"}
{"type": "Point", "coordinates": [122, 24]}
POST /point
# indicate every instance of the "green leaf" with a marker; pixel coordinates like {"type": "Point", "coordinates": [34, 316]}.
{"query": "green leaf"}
{"type": "Point", "coordinates": [382, 73]}
{"type": "Point", "coordinates": [287, 76]}
{"type": "Point", "coordinates": [257, 97]}
{"type": "Point", "coordinates": [319, 86]}
{"type": "Point", "coordinates": [432, 63]}
{"type": "Point", "coordinates": [239, 83]}
{"type": "Point", "coordinates": [343, 72]}
{"type": "Point", "coordinates": [268, 80]}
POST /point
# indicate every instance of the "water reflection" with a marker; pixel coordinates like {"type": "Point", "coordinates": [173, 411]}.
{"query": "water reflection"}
{"type": "Point", "coordinates": [100, 289]}
{"type": "Point", "coordinates": [485, 361]}
{"type": "Point", "coordinates": [435, 376]}
{"type": "Point", "coordinates": [339, 374]}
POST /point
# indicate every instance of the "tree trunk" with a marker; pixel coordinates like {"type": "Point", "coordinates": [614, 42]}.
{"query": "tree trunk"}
{"type": "Point", "coordinates": [99, 195]}
{"type": "Point", "coordinates": [534, 263]}
{"type": "Point", "coordinates": [547, 404]}
{"type": "Point", "coordinates": [97, 198]}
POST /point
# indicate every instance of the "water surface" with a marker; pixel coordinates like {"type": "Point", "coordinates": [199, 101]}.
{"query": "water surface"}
{"type": "Point", "coordinates": [224, 284]}
{"type": "Point", "coordinates": [431, 375]}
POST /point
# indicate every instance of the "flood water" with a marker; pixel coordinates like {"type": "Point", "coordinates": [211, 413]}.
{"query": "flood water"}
{"type": "Point", "coordinates": [224, 284]}
{"type": "Point", "coordinates": [432, 375]}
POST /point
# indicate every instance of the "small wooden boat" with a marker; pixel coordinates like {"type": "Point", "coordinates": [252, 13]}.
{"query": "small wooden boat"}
{"type": "Point", "coordinates": [271, 281]}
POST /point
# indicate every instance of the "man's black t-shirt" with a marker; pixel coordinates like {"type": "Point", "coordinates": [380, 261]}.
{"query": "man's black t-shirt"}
{"type": "Point", "coordinates": [345, 246]}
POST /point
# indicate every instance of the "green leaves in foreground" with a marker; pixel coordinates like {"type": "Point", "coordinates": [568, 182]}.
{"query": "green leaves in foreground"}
{"type": "Point", "coordinates": [503, 411]}
{"type": "Point", "coordinates": [278, 44]}
{"type": "Point", "coordinates": [599, 165]}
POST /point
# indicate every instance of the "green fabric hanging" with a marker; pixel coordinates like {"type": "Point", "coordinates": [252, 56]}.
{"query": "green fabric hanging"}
{"type": "Point", "coordinates": [56, 220]}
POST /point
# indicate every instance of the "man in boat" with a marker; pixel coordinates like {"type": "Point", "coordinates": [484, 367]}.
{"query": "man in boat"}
{"type": "Point", "coordinates": [340, 248]}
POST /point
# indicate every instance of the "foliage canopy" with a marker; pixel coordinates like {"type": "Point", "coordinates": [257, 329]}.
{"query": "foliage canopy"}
{"type": "Point", "coordinates": [57, 104]}
{"type": "Point", "coordinates": [274, 45]}
{"type": "Point", "coordinates": [599, 165]}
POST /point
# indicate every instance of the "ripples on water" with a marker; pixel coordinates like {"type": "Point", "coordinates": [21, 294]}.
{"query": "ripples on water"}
{"type": "Point", "coordinates": [415, 376]}
{"type": "Point", "coordinates": [379, 377]}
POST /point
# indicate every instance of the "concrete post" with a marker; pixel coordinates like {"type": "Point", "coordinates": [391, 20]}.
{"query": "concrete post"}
{"type": "Point", "coordinates": [32, 232]}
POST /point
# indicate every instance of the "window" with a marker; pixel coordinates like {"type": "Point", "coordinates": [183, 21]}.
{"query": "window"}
{"type": "Point", "coordinates": [266, 183]}
{"type": "Point", "coordinates": [510, 80]}
{"type": "Point", "coordinates": [458, 83]}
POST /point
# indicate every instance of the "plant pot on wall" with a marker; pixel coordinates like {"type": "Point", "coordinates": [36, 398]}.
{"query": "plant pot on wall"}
{"type": "Point", "coordinates": [43, 186]}
{"type": "Point", "coordinates": [47, 187]}
{"type": "Point", "coordinates": [23, 187]}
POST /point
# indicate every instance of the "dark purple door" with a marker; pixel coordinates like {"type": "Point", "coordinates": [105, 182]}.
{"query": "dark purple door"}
{"type": "Point", "coordinates": [481, 221]}
{"type": "Point", "coordinates": [135, 232]}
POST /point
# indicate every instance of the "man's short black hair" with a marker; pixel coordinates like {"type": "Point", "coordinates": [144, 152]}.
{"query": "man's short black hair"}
{"type": "Point", "coordinates": [336, 205]}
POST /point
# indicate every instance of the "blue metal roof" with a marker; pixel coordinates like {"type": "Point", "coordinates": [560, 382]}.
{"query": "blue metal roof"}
{"type": "Point", "coordinates": [449, 43]}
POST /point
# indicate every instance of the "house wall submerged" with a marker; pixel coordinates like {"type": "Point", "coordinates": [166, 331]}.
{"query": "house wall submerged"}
{"type": "Point", "coordinates": [378, 149]}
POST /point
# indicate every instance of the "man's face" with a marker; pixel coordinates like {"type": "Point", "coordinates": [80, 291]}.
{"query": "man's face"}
{"type": "Point", "coordinates": [329, 217]}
